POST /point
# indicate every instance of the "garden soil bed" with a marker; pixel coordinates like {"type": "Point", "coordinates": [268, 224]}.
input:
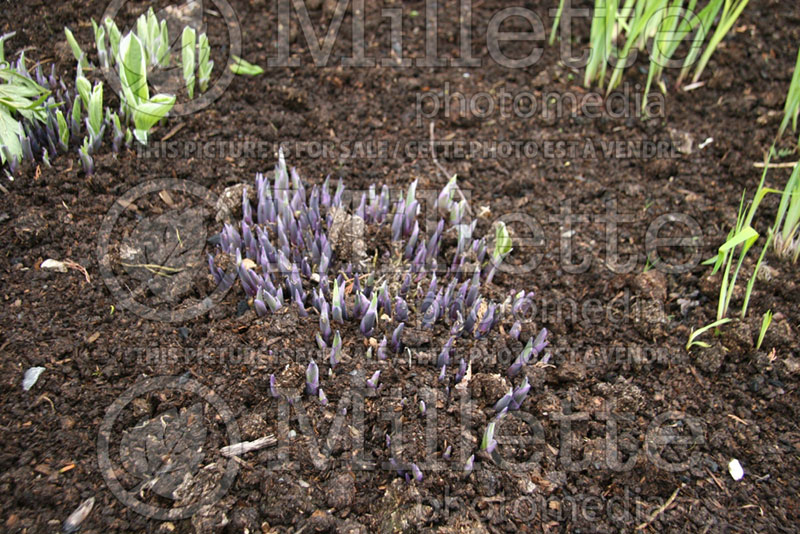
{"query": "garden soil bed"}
{"type": "Point", "coordinates": [727, 401]}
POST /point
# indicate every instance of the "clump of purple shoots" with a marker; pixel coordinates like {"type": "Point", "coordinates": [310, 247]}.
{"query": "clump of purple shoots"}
{"type": "Point", "coordinates": [436, 276]}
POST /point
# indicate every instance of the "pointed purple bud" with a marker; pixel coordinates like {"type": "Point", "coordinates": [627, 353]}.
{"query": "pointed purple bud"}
{"type": "Point", "coordinates": [444, 355]}
{"type": "Point", "coordinates": [396, 335]}
{"type": "Point", "coordinates": [382, 354]}
{"type": "Point", "coordinates": [323, 400]}
{"type": "Point", "coordinates": [519, 395]}
{"type": "Point", "coordinates": [370, 318]}
{"type": "Point", "coordinates": [415, 470]}
{"type": "Point", "coordinates": [400, 310]}
{"type": "Point", "coordinates": [486, 322]}
{"type": "Point", "coordinates": [540, 342]}
{"type": "Point", "coordinates": [273, 390]}
{"type": "Point", "coordinates": [372, 383]}
{"type": "Point", "coordinates": [462, 370]}
{"type": "Point", "coordinates": [324, 322]}
{"type": "Point", "coordinates": [247, 210]}
{"type": "Point", "coordinates": [312, 378]}
{"type": "Point", "coordinates": [515, 331]}
{"type": "Point", "coordinates": [273, 303]}
{"type": "Point", "coordinates": [488, 443]}
{"type": "Point", "coordinates": [398, 220]}
{"type": "Point", "coordinates": [504, 401]}
{"type": "Point", "coordinates": [259, 304]}
{"type": "Point", "coordinates": [412, 242]}
{"type": "Point", "coordinates": [469, 466]}
{"type": "Point", "coordinates": [320, 342]}
{"type": "Point", "coordinates": [405, 286]}
{"type": "Point", "coordinates": [443, 373]}
{"type": "Point", "coordinates": [447, 452]}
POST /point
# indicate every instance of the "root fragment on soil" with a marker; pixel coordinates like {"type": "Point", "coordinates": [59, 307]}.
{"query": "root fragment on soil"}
{"type": "Point", "coordinates": [661, 508]}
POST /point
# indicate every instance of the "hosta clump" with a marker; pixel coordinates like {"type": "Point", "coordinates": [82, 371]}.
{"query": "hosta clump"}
{"type": "Point", "coordinates": [362, 267]}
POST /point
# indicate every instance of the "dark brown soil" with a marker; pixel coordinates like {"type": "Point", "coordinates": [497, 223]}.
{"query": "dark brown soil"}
{"type": "Point", "coordinates": [727, 401]}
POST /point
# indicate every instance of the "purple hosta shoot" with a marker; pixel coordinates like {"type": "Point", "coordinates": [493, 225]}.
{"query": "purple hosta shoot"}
{"type": "Point", "coordinates": [462, 370]}
{"type": "Point", "coordinates": [370, 318]}
{"type": "Point", "coordinates": [361, 210]}
{"type": "Point", "coordinates": [405, 286]}
{"type": "Point", "coordinates": [444, 355]}
{"type": "Point", "coordinates": [259, 304]}
{"type": "Point", "coordinates": [83, 154]}
{"type": "Point", "coordinates": [431, 314]}
{"type": "Point", "coordinates": [321, 342]}
{"type": "Point", "coordinates": [444, 202]}
{"type": "Point", "coordinates": [412, 242]}
{"type": "Point", "coordinates": [396, 335]}
{"type": "Point", "coordinates": [301, 307]}
{"type": "Point", "coordinates": [369, 285]}
{"type": "Point", "coordinates": [443, 374]}
{"type": "Point", "coordinates": [361, 305]}
{"type": "Point", "coordinates": [312, 378]}
{"type": "Point", "coordinates": [400, 310]}
{"type": "Point", "coordinates": [323, 399]}
{"type": "Point", "coordinates": [447, 452]}
{"type": "Point", "coordinates": [515, 331]}
{"type": "Point", "coordinates": [480, 251]}
{"type": "Point", "coordinates": [457, 327]}
{"type": "Point", "coordinates": [503, 403]}
{"type": "Point", "coordinates": [418, 262]}
{"type": "Point", "coordinates": [519, 395]}
{"type": "Point", "coordinates": [398, 220]}
{"type": "Point", "coordinates": [474, 289]}
{"type": "Point", "coordinates": [422, 407]}
{"type": "Point", "coordinates": [412, 207]}
{"type": "Point", "coordinates": [372, 383]}
{"type": "Point", "coordinates": [486, 322]}
{"type": "Point", "coordinates": [247, 210]}
{"type": "Point", "coordinates": [457, 212]}
{"type": "Point", "coordinates": [324, 322]}
{"type": "Point", "coordinates": [488, 443]}
{"type": "Point", "coordinates": [472, 317]}
{"type": "Point", "coordinates": [434, 241]}
{"type": "Point", "coordinates": [273, 390]}
{"type": "Point", "coordinates": [385, 300]}
{"type": "Point", "coordinates": [250, 280]}
{"type": "Point", "coordinates": [540, 342]}
{"type": "Point", "coordinates": [534, 347]}
{"type": "Point", "coordinates": [415, 470]}
{"type": "Point", "coordinates": [273, 303]}
{"type": "Point", "coordinates": [336, 349]}
{"type": "Point", "coordinates": [382, 354]}
{"type": "Point", "coordinates": [337, 196]}
{"type": "Point", "coordinates": [522, 359]}
{"type": "Point", "coordinates": [388, 441]}
{"type": "Point", "coordinates": [369, 353]}
{"type": "Point", "coordinates": [469, 466]}
{"type": "Point", "coordinates": [337, 303]}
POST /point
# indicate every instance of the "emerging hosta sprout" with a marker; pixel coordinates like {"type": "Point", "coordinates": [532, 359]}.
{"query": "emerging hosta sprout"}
{"type": "Point", "coordinates": [370, 317]}
{"type": "Point", "coordinates": [415, 470]}
{"type": "Point", "coordinates": [533, 348]}
{"type": "Point", "coordinates": [322, 398]}
{"type": "Point", "coordinates": [382, 354]}
{"type": "Point", "coordinates": [372, 383]}
{"type": "Point", "coordinates": [488, 443]}
{"type": "Point", "coordinates": [469, 466]}
{"type": "Point", "coordinates": [396, 335]}
{"type": "Point", "coordinates": [312, 378]}
{"type": "Point", "coordinates": [272, 388]}
{"type": "Point", "coordinates": [422, 407]}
